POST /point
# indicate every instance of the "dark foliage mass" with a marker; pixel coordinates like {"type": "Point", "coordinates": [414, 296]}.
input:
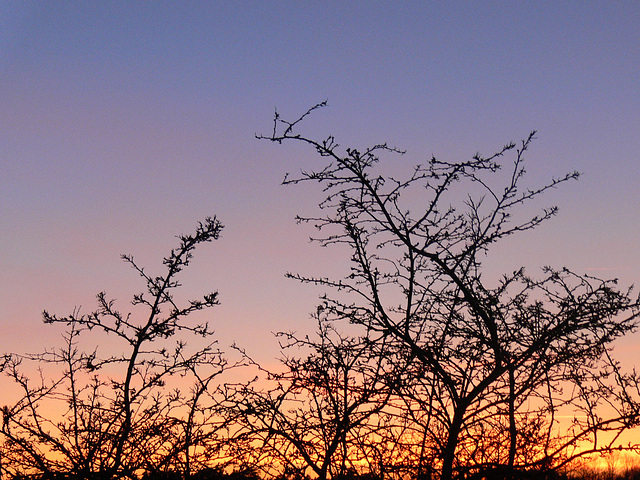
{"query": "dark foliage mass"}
{"type": "Point", "coordinates": [423, 366]}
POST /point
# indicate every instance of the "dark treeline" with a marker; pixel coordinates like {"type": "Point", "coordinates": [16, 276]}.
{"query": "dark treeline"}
{"type": "Point", "coordinates": [423, 366]}
{"type": "Point", "coordinates": [243, 474]}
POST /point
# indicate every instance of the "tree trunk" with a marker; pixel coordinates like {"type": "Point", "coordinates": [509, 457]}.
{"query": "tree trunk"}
{"type": "Point", "coordinates": [512, 423]}
{"type": "Point", "coordinates": [449, 454]}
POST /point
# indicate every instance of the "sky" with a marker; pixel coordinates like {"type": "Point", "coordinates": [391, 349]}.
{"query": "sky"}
{"type": "Point", "coordinates": [123, 124]}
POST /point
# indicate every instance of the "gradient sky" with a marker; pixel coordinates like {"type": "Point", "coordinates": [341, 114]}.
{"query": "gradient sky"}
{"type": "Point", "coordinates": [122, 124]}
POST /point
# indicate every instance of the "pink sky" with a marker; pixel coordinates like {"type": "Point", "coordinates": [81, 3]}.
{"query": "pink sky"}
{"type": "Point", "coordinates": [122, 125]}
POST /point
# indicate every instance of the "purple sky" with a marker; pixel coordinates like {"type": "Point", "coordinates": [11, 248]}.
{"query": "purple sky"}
{"type": "Point", "coordinates": [123, 124]}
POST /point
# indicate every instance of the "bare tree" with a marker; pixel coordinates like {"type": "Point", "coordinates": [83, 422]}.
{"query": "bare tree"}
{"type": "Point", "coordinates": [108, 416]}
{"type": "Point", "coordinates": [417, 250]}
{"type": "Point", "coordinates": [312, 414]}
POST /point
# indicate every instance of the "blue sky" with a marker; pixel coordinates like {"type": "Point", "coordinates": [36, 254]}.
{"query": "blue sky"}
{"type": "Point", "coordinates": [125, 123]}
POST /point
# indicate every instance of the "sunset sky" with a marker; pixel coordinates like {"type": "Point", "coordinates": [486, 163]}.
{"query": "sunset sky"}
{"type": "Point", "coordinates": [122, 124]}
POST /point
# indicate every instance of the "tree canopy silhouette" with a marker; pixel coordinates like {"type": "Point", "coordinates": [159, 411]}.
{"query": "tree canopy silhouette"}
{"type": "Point", "coordinates": [492, 364]}
{"type": "Point", "coordinates": [424, 365]}
{"type": "Point", "coordinates": [112, 416]}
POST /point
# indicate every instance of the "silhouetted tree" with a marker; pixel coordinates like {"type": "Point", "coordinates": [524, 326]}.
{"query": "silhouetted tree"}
{"type": "Point", "coordinates": [110, 416]}
{"type": "Point", "coordinates": [311, 415]}
{"type": "Point", "coordinates": [504, 356]}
